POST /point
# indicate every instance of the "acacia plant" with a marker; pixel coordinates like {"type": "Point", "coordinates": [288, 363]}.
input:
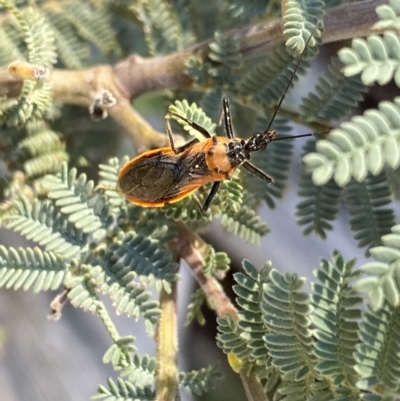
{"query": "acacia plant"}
{"type": "Point", "coordinates": [100, 56]}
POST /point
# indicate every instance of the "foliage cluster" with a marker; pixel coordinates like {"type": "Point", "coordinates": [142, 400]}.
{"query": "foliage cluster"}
{"type": "Point", "coordinates": [90, 241]}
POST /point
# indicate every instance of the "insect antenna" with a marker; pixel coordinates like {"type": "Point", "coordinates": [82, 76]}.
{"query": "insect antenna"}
{"type": "Point", "coordinates": [299, 136]}
{"type": "Point", "coordinates": [290, 81]}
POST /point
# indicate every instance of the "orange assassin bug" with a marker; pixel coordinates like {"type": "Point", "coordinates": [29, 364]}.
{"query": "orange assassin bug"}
{"type": "Point", "coordinates": [167, 175]}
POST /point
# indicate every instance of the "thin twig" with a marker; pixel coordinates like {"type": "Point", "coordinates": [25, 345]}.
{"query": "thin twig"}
{"type": "Point", "coordinates": [166, 382]}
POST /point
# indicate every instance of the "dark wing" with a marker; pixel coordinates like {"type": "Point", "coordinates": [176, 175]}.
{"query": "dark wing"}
{"type": "Point", "coordinates": [161, 178]}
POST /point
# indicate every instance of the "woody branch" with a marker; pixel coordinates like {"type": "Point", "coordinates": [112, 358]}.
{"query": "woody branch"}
{"type": "Point", "coordinates": [135, 76]}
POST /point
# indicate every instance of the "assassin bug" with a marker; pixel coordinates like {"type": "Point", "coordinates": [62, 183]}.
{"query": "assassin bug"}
{"type": "Point", "coordinates": [166, 175]}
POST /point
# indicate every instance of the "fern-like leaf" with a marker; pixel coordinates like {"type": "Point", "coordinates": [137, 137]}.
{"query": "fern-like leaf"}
{"type": "Point", "coordinates": [246, 10]}
{"type": "Point", "coordinates": [42, 223]}
{"type": "Point", "coordinates": [82, 288]}
{"type": "Point", "coordinates": [377, 58]}
{"type": "Point", "coordinates": [248, 291]}
{"type": "Point", "coordinates": [119, 354]}
{"type": "Point", "coordinates": [46, 163]}
{"type": "Point", "coordinates": [42, 142]}
{"type": "Point", "coordinates": [225, 52]}
{"type": "Point", "coordinates": [376, 361]}
{"type": "Point", "coordinates": [266, 82]}
{"type": "Point", "coordinates": [230, 194]}
{"type": "Point", "coordinates": [137, 255]}
{"type": "Point", "coordinates": [335, 94]}
{"type": "Point", "coordinates": [383, 275]}
{"type": "Point", "coordinates": [161, 25]}
{"type": "Point", "coordinates": [193, 113]}
{"type": "Point", "coordinates": [216, 263]}
{"type": "Point", "coordinates": [393, 179]}
{"type": "Point", "coordinates": [198, 382]}
{"type": "Point", "coordinates": [285, 312]}
{"type": "Point", "coordinates": [197, 69]}
{"type": "Point", "coordinates": [211, 98]}
{"type": "Point", "coordinates": [10, 49]}
{"type": "Point", "coordinates": [108, 181]}
{"type": "Point", "coordinates": [229, 338]}
{"type": "Point", "coordinates": [336, 312]}
{"type": "Point", "coordinates": [93, 25]}
{"type": "Point", "coordinates": [35, 95]}
{"type": "Point", "coordinates": [366, 144]}
{"type": "Point", "coordinates": [300, 18]}
{"type": "Point", "coordinates": [121, 264]}
{"type": "Point", "coordinates": [188, 209]}
{"type": "Point", "coordinates": [321, 204]}
{"type": "Point", "coordinates": [74, 197]}
{"type": "Point", "coordinates": [72, 50]}
{"type": "Point", "coordinates": [140, 370]}
{"type": "Point", "coordinates": [26, 268]}
{"type": "Point", "coordinates": [198, 299]}
{"type": "Point", "coordinates": [368, 217]}
{"type": "Point", "coordinates": [389, 15]}
{"type": "Point", "coordinates": [124, 391]}
{"type": "Point", "coordinates": [153, 224]}
{"type": "Point", "coordinates": [245, 223]}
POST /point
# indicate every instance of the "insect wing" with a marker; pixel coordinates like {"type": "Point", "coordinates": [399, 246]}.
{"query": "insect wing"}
{"type": "Point", "coordinates": [159, 177]}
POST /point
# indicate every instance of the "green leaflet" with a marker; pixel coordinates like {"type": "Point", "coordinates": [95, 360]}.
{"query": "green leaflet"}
{"type": "Point", "coordinates": [230, 340]}
{"type": "Point", "coordinates": [245, 223]}
{"type": "Point", "coordinates": [266, 81]}
{"type": "Point", "coordinates": [140, 370]}
{"type": "Point", "coordinates": [193, 113]}
{"type": "Point", "coordinates": [198, 382]}
{"type": "Point", "coordinates": [286, 315]}
{"type": "Point", "coordinates": [163, 31]}
{"type": "Point", "coordinates": [335, 94]}
{"type": "Point", "coordinates": [248, 292]}
{"type": "Point", "coordinates": [92, 24]}
{"type": "Point", "coordinates": [227, 59]}
{"type": "Point", "coordinates": [135, 254]}
{"type": "Point", "coordinates": [377, 58]}
{"type": "Point", "coordinates": [198, 299]}
{"type": "Point", "coordinates": [123, 390]}
{"type": "Point", "coordinates": [194, 382]}
{"type": "Point", "coordinates": [75, 199]}
{"type": "Point", "coordinates": [300, 18]}
{"type": "Point", "coordinates": [11, 44]}
{"type": "Point", "coordinates": [388, 15]}
{"type": "Point", "coordinates": [370, 216]}
{"type": "Point", "coordinates": [43, 223]}
{"type": "Point", "coordinates": [72, 51]}
{"type": "Point", "coordinates": [321, 203]}
{"type": "Point", "coordinates": [245, 10]}
{"type": "Point", "coordinates": [26, 268]}
{"type": "Point", "coordinates": [379, 332]}
{"type": "Point", "coordinates": [35, 97]}
{"type": "Point", "coordinates": [216, 264]}
{"type": "Point", "coordinates": [366, 144]}
{"type": "Point", "coordinates": [382, 281]}
{"type": "Point", "coordinates": [336, 310]}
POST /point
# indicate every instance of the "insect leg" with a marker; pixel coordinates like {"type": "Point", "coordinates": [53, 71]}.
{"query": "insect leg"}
{"type": "Point", "coordinates": [226, 110]}
{"type": "Point", "coordinates": [256, 171]}
{"type": "Point", "coordinates": [210, 196]}
{"type": "Point", "coordinates": [194, 125]}
{"type": "Point", "coordinates": [182, 148]}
